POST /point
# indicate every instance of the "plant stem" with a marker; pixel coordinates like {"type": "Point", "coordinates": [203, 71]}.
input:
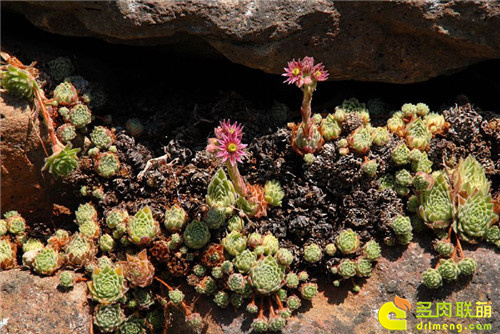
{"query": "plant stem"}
{"type": "Point", "coordinates": [238, 181]}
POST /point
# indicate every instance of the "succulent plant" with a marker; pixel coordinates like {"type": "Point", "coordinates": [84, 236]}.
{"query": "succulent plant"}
{"type": "Point", "coordinates": [493, 234]}
{"type": "Point", "coordinates": [292, 280]}
{"type": "Point", "coordinates": [227, 267]}
{"type": "Point", "coordinates": [396, 124]}
{"type": "Point", "coordinates": [90, 229]}
{"type": "Point", "coordinates": [284, 256]}
{"type": "Point", "coordinates": [221, 299]}
{"type": "Point", "coordinates": [221, 193]}
{"type": "Point", "coordinates": [330, 249]}
{"type": "Point", "coordinates": [475, 216]}
{"type": "Point", "coordinates": [66, 279]}
{"type": "Point", "coordinates": [80, 116]}
{"type": "Point", "coordinates": [436, 123]}
{"type": "Point", "coordinates": [260, 324]}
{"type": "Point", "coordinates": [422, 182]}
{"type": "Point", "coordinates": [7, 254]}
{"type": "Point", "coordinates": [65, 94]}
{"type": "Point", "coordinates": [133, 325]}
{"type": "Point", "coordinates": [380, 136]}
{"type": "Point", "coordinates": [60, 68]}
{"type": "Point", "coordinates": [401, 154]}
{"type": "Point", "coordinates": [107, 164]}
{"type": "Point", "coordinates": [206, 286]}
{"type": "Point", "coordinates": [307, 143]}
{"type": "Point", "coordinates": [16, 224]}
{"type": "Point", "coordinates": [176, 296]}
{"type": "Point", "coordinates": [386, 181]}
{"type": "Point", "coordinates": [363, 267]}
{"type": "Point", "coordinates": [448, 269]}
{"type": "Point", "coordinates": [469, 177]}
{"type": "Point", "coordinates": [444, 247]}
{"type": "Point", "coordinates": [196, 234]}
{"type": "Point", "coordinates": [330, 127]}
{"type": "Point", "coordinates": [101, 137]}
{"type": "Point", "coordinates": [293, 302]}
{"type": "Point", "coordinates": [85, 212]}
{"type": "Point", "coordinates": [194, 321]}
{"type": "Point", "coordinates": [175, 218]}
{"type": "Point", "coordinates": [408, 110]}
{"type": "Point", "coordinates": [66, 133]}
{"type": "Point", "coordinates": [116, 217]}
{"type": "Point", "coordinates": [467, 266]}
{"type": "Point", "coordinates": [347, 268]}
{"type": "Point", "coordinates": [63, 162]}
{"type": "Point", "coordinates": [276, 323]}
{"type": "Point", "coordinates": [403, 178]}
{"type": "Point", "coordinates": [80, 251]}
{"type": "Point", "coordinates": [234, 243]}
{"type": "Point", "coordinates": [138, 270]}
{"type": "Point", "coordinates": [32, 244]}
{"type": "Point", "coordinates": [360, 140]}
{"type": "Point", "coordinates": [432, 278]}
{"type": "Point", "coordinates": [107, 284]}
{"type": "Point", "coordinates": [371, 250]}
{"type": "Point", "coordinates": [370, 167]}
{"type": "Point", "coordinates": [236, 300]}
{"type": "Point", "coordinates": [273, 193]}
{"type": "Point", "coordinates": [236, 282]}
{"type": "Point", "coordinates": [199, 270]}
{"type": "Point", "coordinates": [18, 82]}
{"type": "Point", "coordinates": [303, 276]}
{"type": "Point", "coordinates": [214, 218]}
{"type": "Point", "coordinates": [401, 225]}
{"type": "Point", "coordinates": [312, 253]}
{"type": "Point", "coordinates": [143, 298]}
{"type": "Point", "coordinates": [47, 261]}
{"type": "Point", "coordinates": [347, 241]}
{"type": "Point", "coordinates": [418, 135]}
{"type": "Point", "coordinates": [267, 275]}
{"type": "Point", "coordinates": [106, 243]}
{"type": "Point", "coordinates": [108, 317]}
{"type": "Point", "coordinates": [435, 204]}
{"type": "Point", "coordinates": [4, 227]}
{"type": "Point", "coordinates": [421, 163]}
{"type": "Point", "coordinates": [235, 223]}
{"type": "Point", "coordinates": [270, 244]}
{"type": "Point", "coordinates": [252, 308]}
{"type": "Point", "coordinates": [244, 261]}
{"type": "Point", "coordinates": [143, 228]}
{"type": "Point", "coordinates": [422, 109]}
{"type": "Point", "coordinates": [308, 290]}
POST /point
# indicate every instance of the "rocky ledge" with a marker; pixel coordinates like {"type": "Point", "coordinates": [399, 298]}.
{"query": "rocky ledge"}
{"type": "Point", "coordinates": [396, 42]}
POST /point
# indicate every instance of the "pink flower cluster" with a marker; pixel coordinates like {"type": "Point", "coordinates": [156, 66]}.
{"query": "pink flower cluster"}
{"type": "Point", "coordinates": [304, 72]}
{"type": "Point", "coordinates": [227, 142]}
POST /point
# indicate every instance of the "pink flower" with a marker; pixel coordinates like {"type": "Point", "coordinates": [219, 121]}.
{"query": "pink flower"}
{"type": "Point", "coordinates": [319, 73]}
{"type": "Point", "coordinates": [226, 128]}
{"type": "Point", "coordinates": [230, 148]}
{"type": "Point", "coordinates": [212, 145]}
{"type": "Point", "coordinates": [304, 72]}
{"type": "Point", "coordinates": [293, 71]}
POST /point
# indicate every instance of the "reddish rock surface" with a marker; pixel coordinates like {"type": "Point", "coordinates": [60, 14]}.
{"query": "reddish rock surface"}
{"type": "Point", "coordinates": [23, 187]}
{"type": "Point", "coordinates": [397, 42]}
{"type": "Point", "coordinates": [32, 304]}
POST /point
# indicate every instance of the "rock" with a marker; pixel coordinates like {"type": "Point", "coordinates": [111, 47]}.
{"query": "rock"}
{"type": "Point", "coordinates": [33, 304]}
{"type": "Point", "coordinates": [400, 42]}
{"type": "Point", "coordinates": [24, 187]}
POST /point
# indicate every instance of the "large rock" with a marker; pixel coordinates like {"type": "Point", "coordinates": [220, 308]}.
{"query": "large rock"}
{"type": "Point", "coordinates": [32, 304]}
{"type": "Point", "coordinates": [23, 186]}
{"type": "Point", "coordinates": [397, 42]}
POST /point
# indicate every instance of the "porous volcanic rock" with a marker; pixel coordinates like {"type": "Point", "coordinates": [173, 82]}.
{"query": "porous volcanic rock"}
{"type": "Point", "coordinates": [33, 304]}
{"type": "Point", "coordinates": [397, 42]}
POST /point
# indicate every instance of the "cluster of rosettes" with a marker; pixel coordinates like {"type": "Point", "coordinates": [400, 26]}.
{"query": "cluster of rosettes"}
{"type": "Point", "coordinates": [349, 258]}
{"type": "Point", "coordinates": [460, 197]}
{"type": "Point", "coordinates": [246, 267]}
